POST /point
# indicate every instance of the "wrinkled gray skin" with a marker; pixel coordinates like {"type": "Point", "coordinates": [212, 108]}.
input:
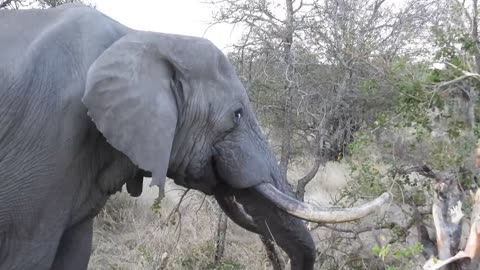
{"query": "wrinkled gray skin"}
{"type": "Point", "coordinates": [87, 105]}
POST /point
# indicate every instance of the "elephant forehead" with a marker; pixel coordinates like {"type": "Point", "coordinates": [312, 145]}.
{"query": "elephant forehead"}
{"type": "Point", "coordinates": [201, 57]}
{"type": "Point", "coordinates": [205, 62]}
{"type": "Point", "coordinates": [220, 89]}
{"type": "Point", "coordinates": [196, 57]}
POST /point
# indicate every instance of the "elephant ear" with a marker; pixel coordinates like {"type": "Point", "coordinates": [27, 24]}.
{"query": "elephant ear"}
{"type": "Point", "coordinates": [130, 99]}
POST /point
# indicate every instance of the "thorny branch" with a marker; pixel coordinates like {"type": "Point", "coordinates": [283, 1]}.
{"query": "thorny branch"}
{"type": "Point", "coordinates": [175, 210]}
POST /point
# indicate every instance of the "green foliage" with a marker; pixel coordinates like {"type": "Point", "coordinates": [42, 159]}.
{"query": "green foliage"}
{"type": "Point", "coordinates": [449, 150]}
{"type": "Point", "coordinates": [414, 102]}
{"type": "Point", "coordinates": [425, 126]}
{"type": "Point", "coordinates": [382, 252]}
{"type": "Point", "coordinates": [369, 87]}
{"type": "Point", "coordinates": [452, 44]}
{"type": "Point", "coordinates": [367, 176]}
{"type": "Point", "coordinates": [147, 255]}
{"type": "Point", "coordinates": [453, 153]}
{"type": "Point", "coordinates": [394, 258]}
{"type": "Point", "coordinates": [156, 206]}
{"type": "Point", "coordinates": [362, 139]}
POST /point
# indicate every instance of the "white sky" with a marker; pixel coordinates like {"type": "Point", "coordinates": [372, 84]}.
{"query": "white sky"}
{"type": "Point", "coordinates": [185, 17]}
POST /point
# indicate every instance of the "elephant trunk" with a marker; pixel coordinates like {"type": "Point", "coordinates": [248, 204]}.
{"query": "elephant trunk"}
{"type": "Point", "coordinates": [250, 210]}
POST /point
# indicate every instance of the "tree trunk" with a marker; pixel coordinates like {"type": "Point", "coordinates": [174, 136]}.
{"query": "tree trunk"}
{"type": "Point", "coordinates": [289, 88]}
{"type": "Point", "coordinates": [319, 160]}
{"type": "Point", "coordinates": [447, 221]}
{"type": "Point", "coordinates": [473, 91]}
{"type": "Point", "coordinates": [470, 104]}
{"type": "Point", "coordinates": [221, 235]}
{"type": "Point", "coordinates": [448, 218]}
{"type": "Point", "coordinates": [469, 257]}
{"type": "Point", "coordinates": [475, 35]}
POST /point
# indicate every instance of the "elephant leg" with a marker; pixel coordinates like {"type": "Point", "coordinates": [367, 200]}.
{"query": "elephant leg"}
{"type": "Point", "coordinates": [74, 249]}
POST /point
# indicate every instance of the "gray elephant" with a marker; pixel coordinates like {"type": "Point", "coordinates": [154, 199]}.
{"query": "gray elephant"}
{"type": "Point", "coordinates": [88, 105]}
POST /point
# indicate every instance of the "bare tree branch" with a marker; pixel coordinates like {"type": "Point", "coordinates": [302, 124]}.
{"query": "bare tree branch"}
{"type": "Point", "coordinates": [5, 3]}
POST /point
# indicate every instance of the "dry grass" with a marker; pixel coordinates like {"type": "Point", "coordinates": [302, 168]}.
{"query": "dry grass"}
{"type": "Point", "coordinates": [129, 234]}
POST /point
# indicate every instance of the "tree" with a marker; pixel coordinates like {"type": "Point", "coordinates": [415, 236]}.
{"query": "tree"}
{"type": "Point", "coordinates": [435, 121]}
{"type": "Point", "coordinates": [320, 73]}
{"type": "Point", "coordinates": [314, 70]}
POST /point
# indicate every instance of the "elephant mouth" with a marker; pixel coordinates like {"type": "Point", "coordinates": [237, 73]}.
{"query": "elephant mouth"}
{"type": "Point", "coordinates": [233, 209]}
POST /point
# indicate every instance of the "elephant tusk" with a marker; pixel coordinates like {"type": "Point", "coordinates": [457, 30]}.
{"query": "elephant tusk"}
{"type": "Point", "coordinates": [319, 214]}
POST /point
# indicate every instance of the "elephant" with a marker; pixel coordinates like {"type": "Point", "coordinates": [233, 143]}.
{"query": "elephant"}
{"type": "Point", "coordinates": [88, 105]}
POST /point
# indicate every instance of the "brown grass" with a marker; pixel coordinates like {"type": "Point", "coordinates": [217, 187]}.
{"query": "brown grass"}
{"type": "Point", "coordinates": [129, 234]}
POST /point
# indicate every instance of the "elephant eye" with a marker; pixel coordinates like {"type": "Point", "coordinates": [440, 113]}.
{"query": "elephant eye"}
{"type": "Point", "coordinates": [238, 114]}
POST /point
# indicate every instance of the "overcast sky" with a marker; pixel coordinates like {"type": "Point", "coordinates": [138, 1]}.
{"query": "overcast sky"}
{"type": "Point", "coordinates": [187, 17]}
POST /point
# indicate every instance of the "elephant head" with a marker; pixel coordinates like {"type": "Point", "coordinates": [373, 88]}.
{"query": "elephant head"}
{"type": "Point", "coordinates": [174, 105]}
